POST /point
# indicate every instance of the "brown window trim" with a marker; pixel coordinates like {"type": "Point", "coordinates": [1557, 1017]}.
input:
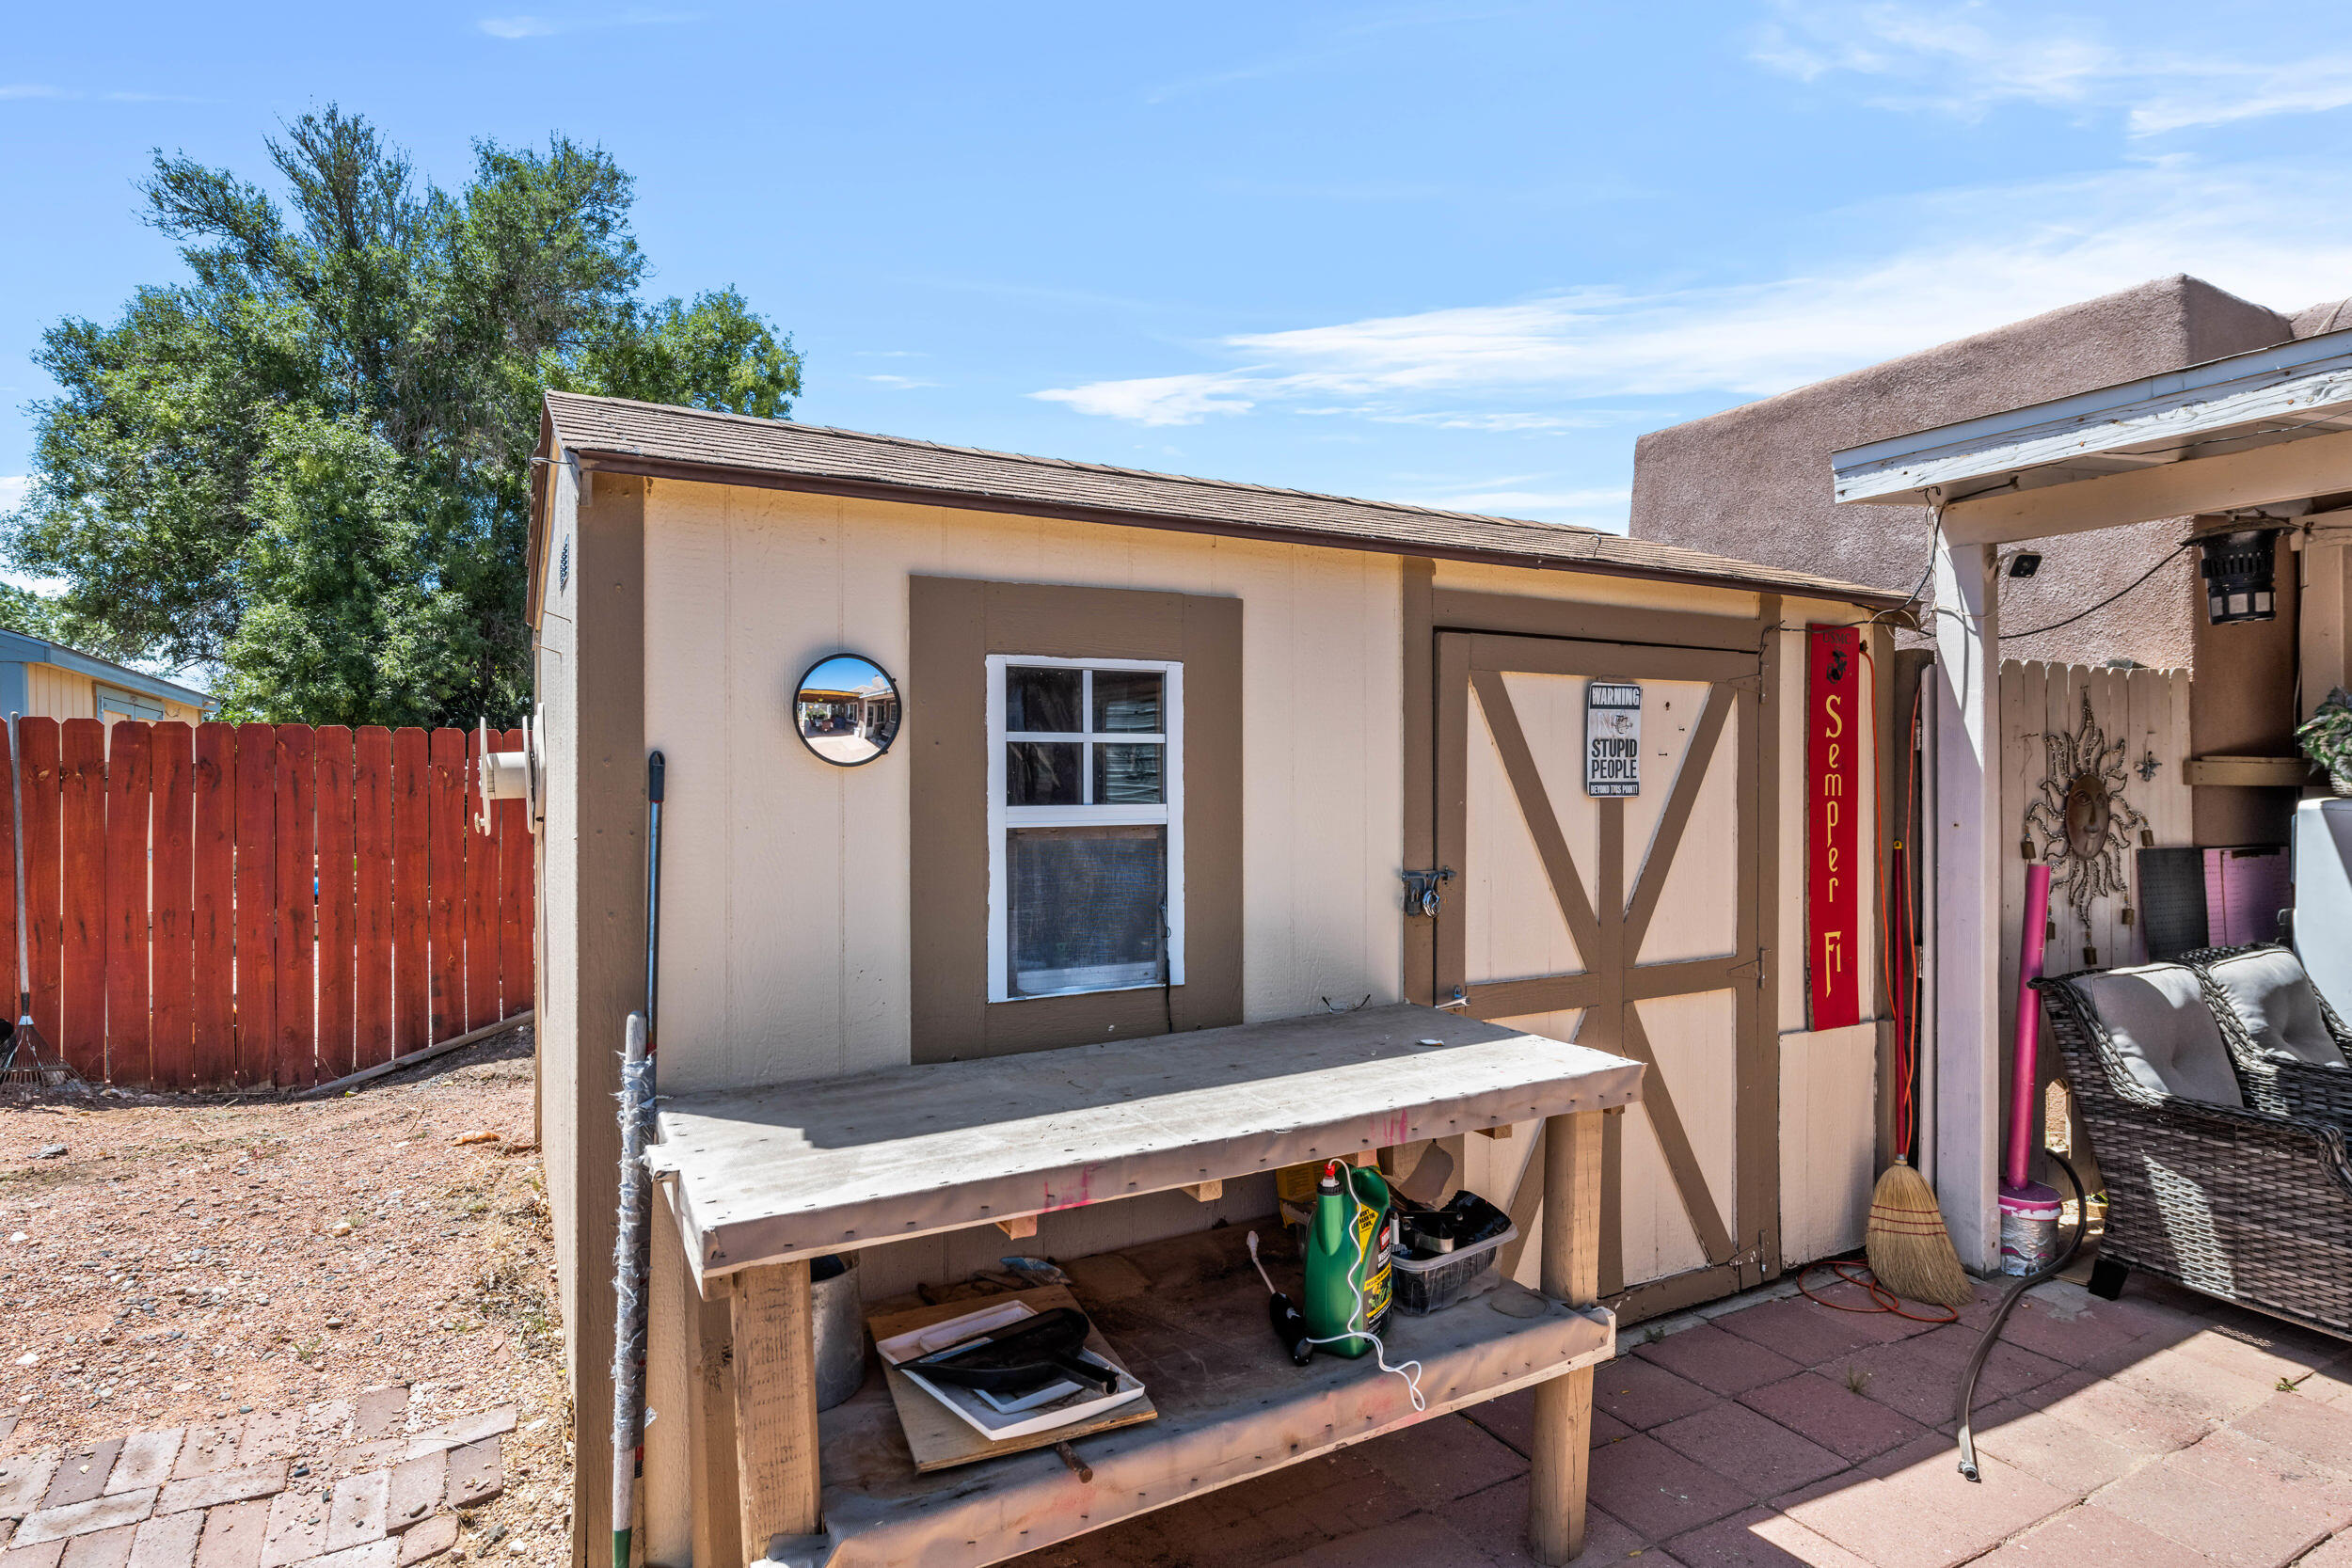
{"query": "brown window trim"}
{"type": "Point", "coordinates": [956, 623]}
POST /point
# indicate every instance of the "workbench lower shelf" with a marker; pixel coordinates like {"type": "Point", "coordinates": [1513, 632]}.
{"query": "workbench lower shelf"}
{"type": "Point", "coordinates": [1190, 1317]}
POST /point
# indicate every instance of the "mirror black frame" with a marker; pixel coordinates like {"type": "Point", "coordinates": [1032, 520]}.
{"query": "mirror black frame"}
{"type": "Point", "coordinates": [898, 699]}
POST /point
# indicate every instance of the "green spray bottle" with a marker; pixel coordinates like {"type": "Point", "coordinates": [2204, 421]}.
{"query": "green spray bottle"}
{"type": "Point", "coordinates": [1348, 1288]}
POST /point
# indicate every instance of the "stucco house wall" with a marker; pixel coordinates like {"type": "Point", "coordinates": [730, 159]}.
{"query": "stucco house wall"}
{"type": "Point", "coordinates": [1754, 482]}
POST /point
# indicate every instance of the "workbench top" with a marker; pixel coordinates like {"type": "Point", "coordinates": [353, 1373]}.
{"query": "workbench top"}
{"type": "Point", "coordinates": [797, 1170]}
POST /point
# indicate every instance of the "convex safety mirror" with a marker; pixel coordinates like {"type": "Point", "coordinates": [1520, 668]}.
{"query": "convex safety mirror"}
{"type": "Point", "coordinates": [846, 709]}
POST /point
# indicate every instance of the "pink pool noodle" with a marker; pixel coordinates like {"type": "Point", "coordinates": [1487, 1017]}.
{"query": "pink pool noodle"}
{"type": "Point", "coordinates": [2021, 1075]}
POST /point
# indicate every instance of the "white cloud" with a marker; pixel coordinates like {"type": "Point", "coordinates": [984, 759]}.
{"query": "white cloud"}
{"type": "Point", "coordinates": [516, 28]}
{"type": "Point", "coordinates": [12, 491]}
{"type": "Point", "coordinates": [1966, 59]}
{"type": "Point", "coordinates": [900, 383]}
{"type": "Point", "coordinates": [1600, 507]}
{"type": "Point", "coordinates": [1158, 400]}
{"type": "Point", "coordinates": [1978, 259]}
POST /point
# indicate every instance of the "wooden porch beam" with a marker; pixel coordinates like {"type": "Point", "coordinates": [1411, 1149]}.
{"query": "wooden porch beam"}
{"type": "Point", "coordinates": [2258, 475]}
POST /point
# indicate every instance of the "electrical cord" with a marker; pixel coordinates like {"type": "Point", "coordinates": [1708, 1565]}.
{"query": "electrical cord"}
{"type": "Point", "coordinates": [1993, 1330]}
{"type": "Point", "coordinates": [2162, 561]}
{"type": "Point", "coordinates": [1355, 1276]}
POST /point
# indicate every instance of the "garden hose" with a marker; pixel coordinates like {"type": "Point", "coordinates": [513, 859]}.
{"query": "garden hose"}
{"type": "Point", "coordinates": [1993, 1329]}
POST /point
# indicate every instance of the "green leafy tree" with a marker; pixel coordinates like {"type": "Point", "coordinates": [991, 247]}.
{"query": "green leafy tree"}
{"type": "Point", "coordinates": [308, 465]}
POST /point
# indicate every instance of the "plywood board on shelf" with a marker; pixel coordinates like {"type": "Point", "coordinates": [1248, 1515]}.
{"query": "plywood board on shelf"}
{"type": "Point", "coordinates": [938, 1437]}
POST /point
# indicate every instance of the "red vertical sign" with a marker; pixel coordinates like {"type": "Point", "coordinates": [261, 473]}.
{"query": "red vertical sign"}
{"type": "Point", "coordinates": [1834, 718]}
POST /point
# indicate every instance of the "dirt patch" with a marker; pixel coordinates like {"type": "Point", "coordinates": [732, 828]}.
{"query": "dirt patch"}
{"type": "Point", "coordinates": [190, 1257]}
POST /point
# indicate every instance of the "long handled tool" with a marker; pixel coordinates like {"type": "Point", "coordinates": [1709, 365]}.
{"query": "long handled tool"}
{"type": "Point", "coordinates": [633, 1246]}
{"type": "Point", "coordinates": [1911, 1253]}
{"type": "Point", "coordinates": [24, 1063]}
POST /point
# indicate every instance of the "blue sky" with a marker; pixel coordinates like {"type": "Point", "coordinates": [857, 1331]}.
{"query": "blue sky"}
{"type": "Point", "coordinates": [1458, 254]}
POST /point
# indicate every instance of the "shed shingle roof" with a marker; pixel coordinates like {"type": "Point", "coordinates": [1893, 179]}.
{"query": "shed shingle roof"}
{"type": "Point", "coordinates": [619, 435]}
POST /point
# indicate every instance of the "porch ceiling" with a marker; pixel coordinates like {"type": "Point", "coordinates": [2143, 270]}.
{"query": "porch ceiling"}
{"type": "Point", "coordinates": [2186, 441]}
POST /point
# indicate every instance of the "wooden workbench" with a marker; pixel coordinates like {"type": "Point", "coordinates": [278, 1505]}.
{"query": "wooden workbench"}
{"type": "Point", "coordinates": [761, 1180]}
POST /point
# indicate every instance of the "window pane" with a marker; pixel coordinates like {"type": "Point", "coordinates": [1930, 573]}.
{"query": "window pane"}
{"type": "Point", "coordinates": [1042, 773]}
{"type": "Point", "coordinates": [1127, 700]}
{"type": "Point", "coordinates": [1087, 908]}
{"type": "Point", "coordinates": [1042, 700]}
{"type": "Point", "coordinates": [1127, 775]}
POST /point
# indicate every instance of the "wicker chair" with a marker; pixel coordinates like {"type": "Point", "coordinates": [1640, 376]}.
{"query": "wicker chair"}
{"type": "Point", "coordinates": [2250, 1206]}
{"type": "Point", "coordinates": [2290, 1088]}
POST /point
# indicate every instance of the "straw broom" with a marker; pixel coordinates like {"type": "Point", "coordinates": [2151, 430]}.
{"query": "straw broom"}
{"type": "Point", "coordinates": [1909, 1251]}
{"type": "Point", "coordinates": [1908, 1247]}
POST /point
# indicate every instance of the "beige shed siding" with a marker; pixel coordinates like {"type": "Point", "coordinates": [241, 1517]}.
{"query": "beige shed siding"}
{"type": "Point", "coordinates": [784, 879]}
{"type": "Point", "coordinates": [1828, 1080]}
{"type": "Point", "coordinates": [1593, 588]}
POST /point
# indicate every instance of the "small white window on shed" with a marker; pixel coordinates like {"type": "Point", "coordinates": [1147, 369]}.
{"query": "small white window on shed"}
{"type": "Point", "coordinates": [125, 705]}
{"type": "Point", "coordinates": [1085, 822]}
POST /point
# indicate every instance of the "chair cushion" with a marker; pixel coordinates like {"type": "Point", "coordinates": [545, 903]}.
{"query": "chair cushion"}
{"type": "Point", "coordinates": [2274, 999]}
{"type": "Point", "coordinates": [2157, 1018]}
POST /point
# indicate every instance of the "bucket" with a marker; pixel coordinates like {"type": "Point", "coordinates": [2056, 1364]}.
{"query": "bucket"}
{"type": "Point", "coordinates": [2030, 1227]}
{"type": "Point", "coordinates": [840, 1328]}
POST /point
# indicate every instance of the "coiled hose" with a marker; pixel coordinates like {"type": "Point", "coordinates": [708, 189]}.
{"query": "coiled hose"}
{"type": "Point", "coordinates": [1993, 1329]}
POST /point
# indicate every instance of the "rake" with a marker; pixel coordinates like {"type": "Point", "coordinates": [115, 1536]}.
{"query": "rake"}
{"type": "Point", "coordinates": [24, 1063]}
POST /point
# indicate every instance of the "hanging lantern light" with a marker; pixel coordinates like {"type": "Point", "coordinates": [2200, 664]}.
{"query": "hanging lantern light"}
{"type": "Point", "coordinates": [2237, 568]}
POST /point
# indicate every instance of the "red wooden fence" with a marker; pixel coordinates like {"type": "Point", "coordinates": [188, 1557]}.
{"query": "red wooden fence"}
{"type": "Point", "coordinates": [261, 904]}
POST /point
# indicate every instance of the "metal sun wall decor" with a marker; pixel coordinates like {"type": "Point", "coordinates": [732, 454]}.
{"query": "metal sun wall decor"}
{"type": "Point", "coordinates": [2080, 823]}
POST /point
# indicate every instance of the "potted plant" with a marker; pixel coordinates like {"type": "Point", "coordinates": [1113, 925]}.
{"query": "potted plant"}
{"type": "Point", "coordinates": [2326, 739]}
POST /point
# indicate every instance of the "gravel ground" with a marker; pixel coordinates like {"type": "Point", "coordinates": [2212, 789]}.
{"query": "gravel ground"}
{"type": "Point", "coordinates": [189, 1257]}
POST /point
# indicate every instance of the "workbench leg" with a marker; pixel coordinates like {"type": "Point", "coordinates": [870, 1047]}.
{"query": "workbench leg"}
{"type": "Point", "coordinates": [775, 1403]}
{"type": "Point", "coordinates": [710, 1432]}
{"type": "Point", "coordinates": [1572, 1273]}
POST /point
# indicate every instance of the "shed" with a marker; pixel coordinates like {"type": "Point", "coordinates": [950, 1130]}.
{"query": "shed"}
{"type": "Point", "coordinates": [1463, 831]}
{"type": "Point", "coordinates": [41, 679]}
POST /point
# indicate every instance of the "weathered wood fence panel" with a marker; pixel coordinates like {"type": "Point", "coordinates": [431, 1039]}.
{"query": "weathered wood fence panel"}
{"type": "Point", "coordinates": [2139, 741]}
{"type": "Point", "coordinates": [261, 904]}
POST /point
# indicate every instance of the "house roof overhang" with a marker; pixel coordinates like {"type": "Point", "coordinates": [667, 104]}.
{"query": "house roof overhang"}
{"type": "Point", "coordinates": [2268, 428]}
{"type": "Point", "coordinates": [18, 648]}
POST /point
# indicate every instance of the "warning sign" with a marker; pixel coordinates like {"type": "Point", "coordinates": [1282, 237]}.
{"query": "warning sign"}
{"type": "Point", "coordinates": [1613, 738]}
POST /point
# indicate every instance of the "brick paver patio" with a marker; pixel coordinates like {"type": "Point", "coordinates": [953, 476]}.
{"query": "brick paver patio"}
{"type": "Point", "coordinates": [2161, 1431]}
{"type": "Point", "coordinates": [340, 1484]}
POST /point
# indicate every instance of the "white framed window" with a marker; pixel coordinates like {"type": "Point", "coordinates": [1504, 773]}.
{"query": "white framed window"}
{"type": "Point", "coordinates": [1086, 824]}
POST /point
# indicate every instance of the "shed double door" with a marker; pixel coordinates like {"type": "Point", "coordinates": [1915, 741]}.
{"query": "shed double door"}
{"type": "Point", "coordinates": [1629, 923]}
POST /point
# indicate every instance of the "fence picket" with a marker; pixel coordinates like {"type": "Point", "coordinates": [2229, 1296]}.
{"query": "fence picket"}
{"type": "Point", "coordinates": [128, 1037]}
{"type": "Point", "coordinates": [482, 901]}
{"type": "Point", "coordinates": [372, 839]}
{"type": "Point", "coordinates": [213, 1002]}
{"type": "Point", "coordinates": [511, 823]}
{"type": "Point", "coordinates": [172, 920]}
{"type": "Point", "coordinates": [257, 903]}
{"type": "Point", "coordinates": [412, 981]}
{"type": "Point", "coordinates": [445, 825]}
{"type": "Point", "coordinates": [8, 867]}
{"type": "Point", "coordinates": [82, 820]}
{"type": "Point", "coordinates": [297, 907]}
{"type": "Point", "coordinates": [338, 917]}
{"type": "Point", "coordinates": [39, 746]}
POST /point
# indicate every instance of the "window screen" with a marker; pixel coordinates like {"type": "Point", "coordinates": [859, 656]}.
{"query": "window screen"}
{"type": "Point", "coordinates": [1089, 909]}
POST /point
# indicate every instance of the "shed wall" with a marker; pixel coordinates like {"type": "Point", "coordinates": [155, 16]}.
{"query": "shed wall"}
{"type": "Point", "coordinates": [784, 878]}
